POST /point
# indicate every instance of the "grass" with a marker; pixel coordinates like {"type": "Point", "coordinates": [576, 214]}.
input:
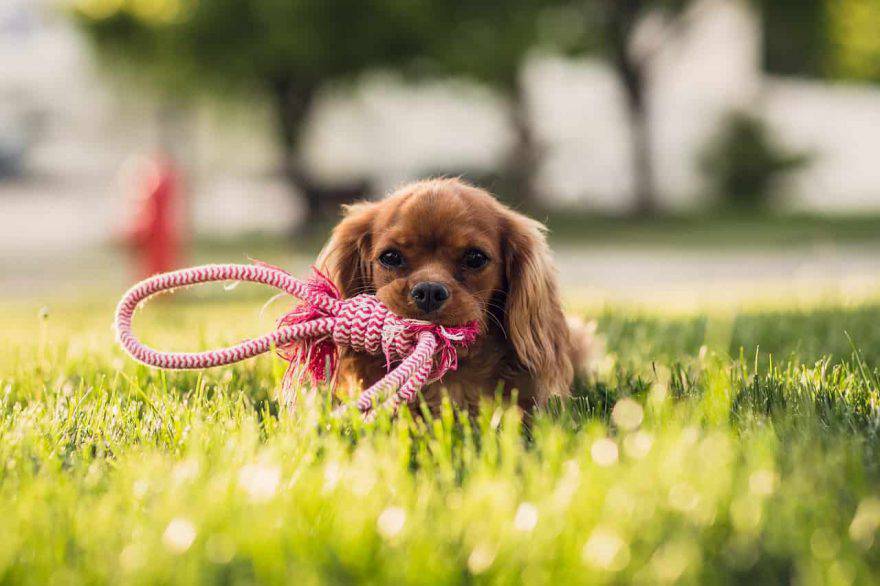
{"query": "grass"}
{"type": "Point", "coordinates": [732, 229]}
{"type": "Point", "coordinates": [710, 449]}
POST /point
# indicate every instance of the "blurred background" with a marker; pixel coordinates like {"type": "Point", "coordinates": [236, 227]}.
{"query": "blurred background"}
{"type": "Point", "coordinates": [680, 151]}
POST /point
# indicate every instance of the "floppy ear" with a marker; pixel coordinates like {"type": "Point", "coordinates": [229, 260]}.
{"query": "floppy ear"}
{"type": "Point", "coordinates": [345, 257]}
{"type": "Point", "coordinates": [536, 325]}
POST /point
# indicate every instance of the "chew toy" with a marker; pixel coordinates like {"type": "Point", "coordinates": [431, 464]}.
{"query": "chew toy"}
{"type": "Point", "coordinates": [309, 337]}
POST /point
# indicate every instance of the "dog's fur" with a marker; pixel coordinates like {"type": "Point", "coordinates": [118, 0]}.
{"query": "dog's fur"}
{"type": "Point", "coordinates": [525, 342]}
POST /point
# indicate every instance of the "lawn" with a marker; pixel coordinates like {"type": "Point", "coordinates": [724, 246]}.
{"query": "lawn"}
{"type": "Point", "coordinates": [710, 449]}
{"type": "Point", "coordinates": [718, 229]}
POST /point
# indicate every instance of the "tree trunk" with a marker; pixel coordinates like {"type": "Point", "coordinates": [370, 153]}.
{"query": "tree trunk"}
{"type": "Point", "coordinates": [524, 159]}
{"type": "Point", "coordinates": [622, 16]}
{"type": "Point", "coordinates": [292, 104]}
{"type": "Point", "coordinates": [643, 165]}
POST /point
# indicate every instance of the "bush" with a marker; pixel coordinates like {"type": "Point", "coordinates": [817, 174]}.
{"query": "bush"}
{"type": "Point", "coordinates": [743, 164]}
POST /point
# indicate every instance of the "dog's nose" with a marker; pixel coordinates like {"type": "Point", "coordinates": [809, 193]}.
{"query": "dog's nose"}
{"type": "Point", "coordinates": [429, 296]}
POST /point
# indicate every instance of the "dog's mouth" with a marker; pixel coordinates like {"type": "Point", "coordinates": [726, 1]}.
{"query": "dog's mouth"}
{"type": "Point", "coordinates": [439, 318]}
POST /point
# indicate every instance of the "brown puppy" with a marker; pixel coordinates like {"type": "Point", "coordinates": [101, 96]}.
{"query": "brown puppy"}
{"type": "Point", "coordinates": [447, 252]}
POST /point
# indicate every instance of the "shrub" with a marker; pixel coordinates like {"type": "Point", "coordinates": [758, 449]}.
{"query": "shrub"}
{"type": "Point", "coordinates": [743, 163]}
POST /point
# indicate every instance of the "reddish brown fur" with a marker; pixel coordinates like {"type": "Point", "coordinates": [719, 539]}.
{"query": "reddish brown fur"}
{"type": "Point", "coordinates": [525, 343]}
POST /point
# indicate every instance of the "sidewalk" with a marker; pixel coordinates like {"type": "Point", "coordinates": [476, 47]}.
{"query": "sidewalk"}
{"type": "Point", "coordinates": [687, 278]}
{"type": "Point", "coordinates": [646, 277]}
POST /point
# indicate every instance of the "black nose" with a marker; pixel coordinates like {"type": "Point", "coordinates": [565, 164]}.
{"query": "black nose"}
{"type": "Point", "coordinates": [429, 296]}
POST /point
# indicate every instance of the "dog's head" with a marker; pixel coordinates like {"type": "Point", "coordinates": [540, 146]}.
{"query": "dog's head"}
{"type": "Point", "coordinates": [450, 253]}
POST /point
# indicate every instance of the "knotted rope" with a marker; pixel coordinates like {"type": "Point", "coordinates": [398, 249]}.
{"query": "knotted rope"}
{"type": "Point", "coordinates": [310, 335]}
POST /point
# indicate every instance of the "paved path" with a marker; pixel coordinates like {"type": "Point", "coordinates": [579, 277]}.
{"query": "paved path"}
{"type": "Point", "coordinates": [647, 277]}
{"type": "Point", "coordinates": [718, 277]}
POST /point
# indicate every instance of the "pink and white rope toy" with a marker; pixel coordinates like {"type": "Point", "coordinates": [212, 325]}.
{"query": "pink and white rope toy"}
{"type": "Point", "coordinates": [310, 335]}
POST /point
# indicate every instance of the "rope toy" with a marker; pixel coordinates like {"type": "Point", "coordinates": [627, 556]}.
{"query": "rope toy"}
{"type": "Point", "coordinates": [309, 336]}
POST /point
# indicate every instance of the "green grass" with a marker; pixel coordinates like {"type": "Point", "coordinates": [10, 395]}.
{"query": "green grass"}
{"type": "Point", "coordinates": [718, 229]}
{"type": "Point", "coordinates": [711, 449]}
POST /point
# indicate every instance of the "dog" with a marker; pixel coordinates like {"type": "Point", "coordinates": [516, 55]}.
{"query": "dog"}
{"type": "Point", "coordinates": [448, 252]}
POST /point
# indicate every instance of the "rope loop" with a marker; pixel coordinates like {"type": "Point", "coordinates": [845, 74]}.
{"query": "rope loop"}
{"type": "Point", "coordinates": [309, 336]}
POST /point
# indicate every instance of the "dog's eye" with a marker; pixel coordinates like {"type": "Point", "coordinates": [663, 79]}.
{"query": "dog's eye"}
{"type": "Point", "coordinates": [391, 259]}
{"type": "Point", "coordinates": [475, 259]}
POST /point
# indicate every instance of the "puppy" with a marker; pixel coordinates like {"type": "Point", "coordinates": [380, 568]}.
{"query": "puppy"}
{"type": "Point", "coordinates": [448, 252]}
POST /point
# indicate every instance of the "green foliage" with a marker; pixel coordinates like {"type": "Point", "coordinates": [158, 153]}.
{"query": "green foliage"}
{"type": "Point", "coordinates": [836, 39]}
{"type": "Point", "coordinates": [796, 37]}
{"type": "Point", "coordinates": [675, 465]}
{"type": "Point", "coordinates": [855, 41]}
{"type": "Point", "coordinates": [256, 42]}
{"type": "Point", "coordinates": [744, 164]}
{"type": "Point", "coordinates": [489, 41]}
{"type": "Point", "coordinates": [307, 42]}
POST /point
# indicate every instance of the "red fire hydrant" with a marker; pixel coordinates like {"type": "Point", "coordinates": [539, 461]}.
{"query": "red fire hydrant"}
{"type": "Point", "coordinates": [154, 229]}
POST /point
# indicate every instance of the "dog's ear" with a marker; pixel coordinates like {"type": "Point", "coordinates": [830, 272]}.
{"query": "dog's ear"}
{"type": "Point", "coordinates": [346, 256]}
{"type": "Point", "coordinates": [536, 326]}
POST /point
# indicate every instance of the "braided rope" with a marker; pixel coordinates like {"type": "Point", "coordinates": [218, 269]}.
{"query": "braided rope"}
{"type": "Point", "coordinates": [425, 351]}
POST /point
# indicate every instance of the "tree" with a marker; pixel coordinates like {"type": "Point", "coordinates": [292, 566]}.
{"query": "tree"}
{"type": "Point", "coordinates": [616, 23]}
{"type": "Point", "coordinates": [855, 39]}
{"type": "Point", "coordinates": [288, 49]}
{"type": "Point", "coordinates": [795, 37]}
